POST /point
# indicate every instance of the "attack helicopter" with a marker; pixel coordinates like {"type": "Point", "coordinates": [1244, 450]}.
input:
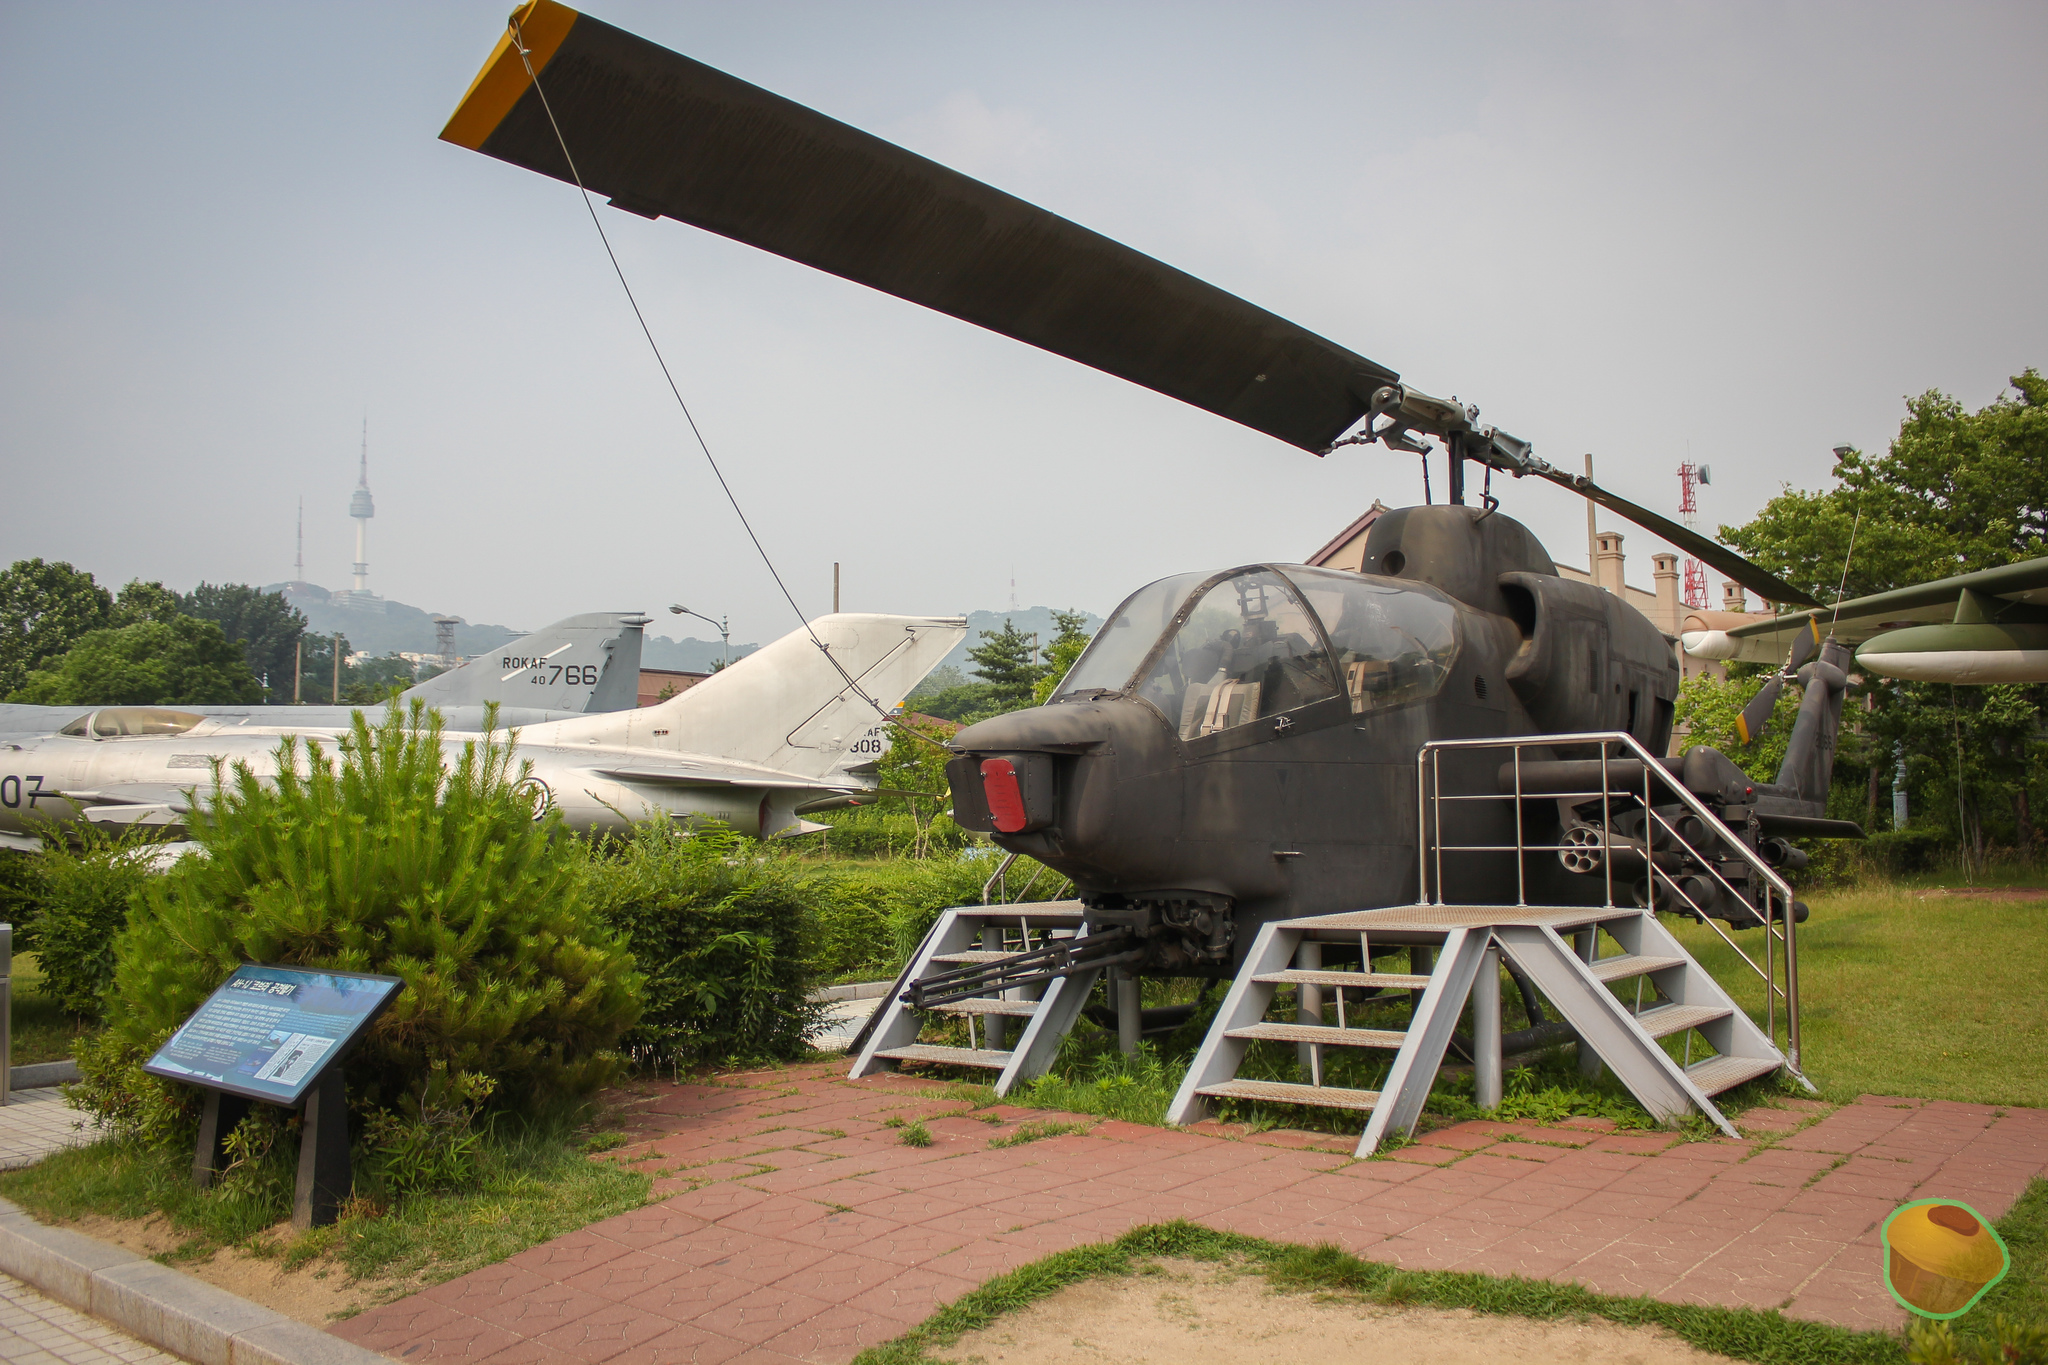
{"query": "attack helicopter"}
{"type": "Point", "coordinates": [1234, 746]}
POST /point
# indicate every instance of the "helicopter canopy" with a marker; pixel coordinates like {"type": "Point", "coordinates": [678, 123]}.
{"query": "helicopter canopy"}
{"type": "Point", "coordinates": [1216, 651]}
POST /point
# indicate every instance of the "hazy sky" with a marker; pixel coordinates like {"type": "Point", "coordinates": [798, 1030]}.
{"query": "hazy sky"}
{"type": "Point", "coordinates": [1742, 232]}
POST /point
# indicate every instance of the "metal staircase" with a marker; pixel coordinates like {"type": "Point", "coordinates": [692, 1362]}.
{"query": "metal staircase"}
{"type": "Point", "coordinates": [1672, 995]}
{"type": "Point", "coordinates": [988, 965]}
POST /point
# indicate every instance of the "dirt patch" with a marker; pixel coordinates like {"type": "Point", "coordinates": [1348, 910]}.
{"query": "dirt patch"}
{"type": "Point", "coordinates": [317, 1292]}
{"type": "Point", "coordinates": [1991, 893]}
{"type": "Point", "coordinates": [1199, 1313]}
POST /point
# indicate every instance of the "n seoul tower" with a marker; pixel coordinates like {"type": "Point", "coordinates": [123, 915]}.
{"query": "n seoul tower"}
{"type": "Point", "coordinates": [361, 509]}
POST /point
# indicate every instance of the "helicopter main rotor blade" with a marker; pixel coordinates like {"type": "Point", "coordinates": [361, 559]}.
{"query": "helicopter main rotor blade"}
{"type": "Point", "coordinates": [664, 136]}
{"type": "Point", "coordinates": [1755, 577]}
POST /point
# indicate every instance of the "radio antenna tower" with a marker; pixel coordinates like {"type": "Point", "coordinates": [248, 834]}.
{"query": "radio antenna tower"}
{"type": "Point", "coordinates": [1690, 477]}
{"type": "Point", "coordinates": [299, 564]}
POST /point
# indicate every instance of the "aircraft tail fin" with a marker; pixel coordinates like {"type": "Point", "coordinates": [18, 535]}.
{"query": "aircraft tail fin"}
{"type": "Point", "coordinates": [791, 705]}
{"type": "Point", "coordinates": [581, 663]}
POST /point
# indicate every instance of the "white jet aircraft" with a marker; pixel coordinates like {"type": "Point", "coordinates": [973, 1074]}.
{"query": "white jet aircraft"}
{"type": "Point", "coordinates": [798, 725]}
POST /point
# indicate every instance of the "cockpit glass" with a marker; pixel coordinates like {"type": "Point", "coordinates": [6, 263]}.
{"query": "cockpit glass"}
{"type": "Point", "coordinates": [1248, 650]}
{"type": "Point", "coordinates": [119, 721]}
{"type": "Point", "coordinates": [1395, 641]}
{"type": "Point", "coordinates": [1128, 636]}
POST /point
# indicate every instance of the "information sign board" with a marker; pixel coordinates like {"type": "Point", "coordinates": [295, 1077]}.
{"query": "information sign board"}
{"type": "Point", "coordinates": [269, 1032]}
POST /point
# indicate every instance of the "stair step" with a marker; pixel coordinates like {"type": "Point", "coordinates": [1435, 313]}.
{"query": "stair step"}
{"type": "Point", "coordinates": [1666, 1020]}
{"type": "Point", "coordinates": [951, 1056]}
{"type": "Point", "coordinates": [1037, 914]}
{"type": "Point", "coordinates": [1716, 1074]}
{"type": "Point", "coordinates": [976, 956]}
{"type": "Point", "coordinates": [1019, 1009]}
{"type": "Point", "coordinates": [1624, 965]}
{"type": "Point", "coordinates": [1362, 980]}
{"type": "Point", "coordinates": [1321, 1033]}
{"type": "Point", "coordinates": [1280, 1092]}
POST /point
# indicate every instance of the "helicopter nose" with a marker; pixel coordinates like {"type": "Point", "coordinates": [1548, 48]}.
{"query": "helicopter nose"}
{"type": "Point", "coordinates": [1007, 779]}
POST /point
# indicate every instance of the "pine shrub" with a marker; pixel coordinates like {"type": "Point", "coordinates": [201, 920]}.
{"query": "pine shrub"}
{"type": "Point", "coordinates": [380, 859]}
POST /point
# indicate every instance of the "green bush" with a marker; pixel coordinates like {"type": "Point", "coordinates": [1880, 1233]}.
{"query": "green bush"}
{"type": "Point", "coordinates": [727, 935]}
{"type": "Point", "coordinates": [385, 861]}
{"type": "Point", "coordinates": [80, 894]}
{"type": "Point", "coordinates": [1902, 852]}
{"type": "Point", "coordinates": [887, 831]}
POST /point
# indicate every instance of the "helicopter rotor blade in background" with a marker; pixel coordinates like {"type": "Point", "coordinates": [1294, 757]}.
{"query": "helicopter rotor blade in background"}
{"type": "Point", "coordinates": [1755, 577]}
{"type": "Point", "coordinates": [664, 136]}
{"type": "Point", "coordinates": [1756, 716]}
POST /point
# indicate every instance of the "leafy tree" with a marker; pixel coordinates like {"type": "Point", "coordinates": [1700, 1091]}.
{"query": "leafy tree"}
{"type": "Point", "coordinates": [941, 679]}
{"type": "Point", "coordinates": [914, 768]}
{"type": "Point", "coordinates": [141, 601]}
{"type": "Point", "coordinates": [373, 680]}
{"type": "Point", "coordinates": [268, 626]}
{"type": "Point", "coordinates": [383, 857]}
{"type": "Point", "coordinates": [1003, 660]}
{"type": "Point", "coordinates": [150, 663]}
{"type": "Point", "coordinates": [1071, 638]}
{"type": "Point", "coordinates": [44, 608]}
{"type": "Point", "coordinates": [1955, 491]}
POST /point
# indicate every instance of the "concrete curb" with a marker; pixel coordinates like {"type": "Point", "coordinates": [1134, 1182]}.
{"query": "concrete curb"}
{"type": "Point", "coordinates": [167, 1308]}
{"type": "Point", "coordinates": [36, 1075]}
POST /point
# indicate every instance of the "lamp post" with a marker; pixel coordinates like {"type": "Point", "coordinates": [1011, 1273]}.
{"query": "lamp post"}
{"type": "Point", "coordinates": [724, 636]}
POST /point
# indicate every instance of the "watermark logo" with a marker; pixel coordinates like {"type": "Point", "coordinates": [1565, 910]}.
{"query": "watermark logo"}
{"type": "Point", "coordinates": [1941, 1256]}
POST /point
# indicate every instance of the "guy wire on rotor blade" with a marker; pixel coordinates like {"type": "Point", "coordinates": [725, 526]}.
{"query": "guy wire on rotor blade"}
{"type": "Point", "coordinates": [519, 46]}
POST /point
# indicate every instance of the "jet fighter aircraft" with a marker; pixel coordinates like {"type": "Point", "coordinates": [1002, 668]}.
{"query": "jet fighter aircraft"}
{"type": "Point", "coordinates": [788, 728]}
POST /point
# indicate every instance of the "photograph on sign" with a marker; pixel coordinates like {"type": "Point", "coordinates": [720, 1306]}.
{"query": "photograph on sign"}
{"type": "Point", "coordinates": [268, 1031]}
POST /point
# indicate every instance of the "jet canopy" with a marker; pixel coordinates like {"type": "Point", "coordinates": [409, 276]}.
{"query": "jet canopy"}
{"type": "Point", "coordinates": [1214, 651]}
{"type": "Point", "coordinates": [119, 721]}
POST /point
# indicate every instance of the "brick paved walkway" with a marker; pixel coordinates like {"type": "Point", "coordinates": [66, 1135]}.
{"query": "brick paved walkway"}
{"type": "Point", "coordinates": [39, 1331]}
{"type": "Point", "coordinates": [792, 1224]}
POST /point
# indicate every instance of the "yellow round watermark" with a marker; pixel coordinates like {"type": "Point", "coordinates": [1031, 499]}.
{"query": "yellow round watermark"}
{"type": "Point", "coordinates": [1940, 1256]}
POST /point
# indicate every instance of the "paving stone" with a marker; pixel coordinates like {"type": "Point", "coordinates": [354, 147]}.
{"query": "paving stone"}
{"type": "Point", "coordinates": [767, 1265]}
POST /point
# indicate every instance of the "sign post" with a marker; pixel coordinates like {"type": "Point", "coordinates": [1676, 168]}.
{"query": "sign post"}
{"type": "Point", "coordinates": [278, 1035]}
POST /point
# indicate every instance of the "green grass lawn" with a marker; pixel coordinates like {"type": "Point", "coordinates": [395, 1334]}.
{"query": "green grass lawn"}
{"type": "Point", "coordinates": [531, 1186]}
{"type": "Point", "coordinates": [43, 1032]}
{"type": "Point", "coordinates": [1902, 993]}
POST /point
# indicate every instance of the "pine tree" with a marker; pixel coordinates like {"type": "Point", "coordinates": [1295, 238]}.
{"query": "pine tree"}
{"type": "Point", "coordinates": [1003, 658]}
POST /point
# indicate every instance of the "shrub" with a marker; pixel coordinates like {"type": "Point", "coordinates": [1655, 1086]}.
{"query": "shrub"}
{"type": "Point", "coordinates": [80, 894]}
{"type": "Point", "coordinates": [1902, 852]}
{"type": "Point", "coordinates": [726, 934]}
{"type": "Point", "coordinates": [386, 861]}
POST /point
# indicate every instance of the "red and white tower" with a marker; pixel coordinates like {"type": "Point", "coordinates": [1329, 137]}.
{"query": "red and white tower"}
{"type": "Point", "coordinates": [1690, 477]}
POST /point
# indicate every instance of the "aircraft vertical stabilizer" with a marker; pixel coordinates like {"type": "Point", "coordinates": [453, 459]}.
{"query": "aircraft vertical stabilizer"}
{"type": "Point", "coordinates": [786, 706]}
{"type": "Point", "coordinates": [580, 663]}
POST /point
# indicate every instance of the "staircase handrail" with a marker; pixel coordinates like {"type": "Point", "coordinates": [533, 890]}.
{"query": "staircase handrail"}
{"type": "Point", "coordinates": [1777, 928]}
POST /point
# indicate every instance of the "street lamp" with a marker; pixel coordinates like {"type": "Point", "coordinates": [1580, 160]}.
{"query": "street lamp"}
{"type": "Point", "coordinates": [724, 636]}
